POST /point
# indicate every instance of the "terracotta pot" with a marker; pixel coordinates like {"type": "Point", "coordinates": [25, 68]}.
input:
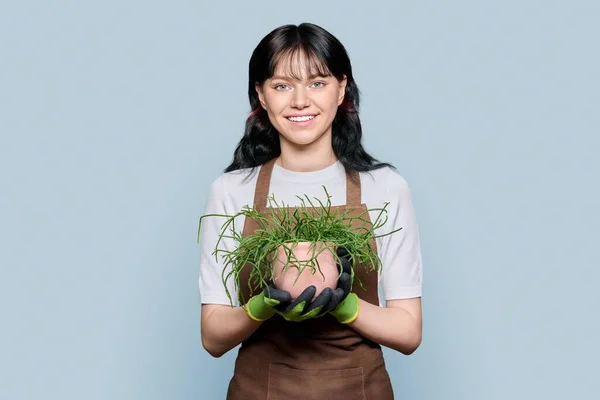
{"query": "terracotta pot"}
{"type": "Point", "coordinates": [289, 275]}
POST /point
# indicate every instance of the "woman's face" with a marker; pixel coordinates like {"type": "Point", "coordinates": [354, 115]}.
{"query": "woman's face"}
{"type": "Point", "coordinates": [301, 110]}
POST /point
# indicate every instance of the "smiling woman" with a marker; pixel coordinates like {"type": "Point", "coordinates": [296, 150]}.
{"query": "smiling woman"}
{"type": "Point", "coordinates": [303, 134]}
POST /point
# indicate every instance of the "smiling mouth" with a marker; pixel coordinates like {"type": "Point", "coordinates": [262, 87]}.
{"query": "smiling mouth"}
{"type": "Point", "coordinates": [303, 118]}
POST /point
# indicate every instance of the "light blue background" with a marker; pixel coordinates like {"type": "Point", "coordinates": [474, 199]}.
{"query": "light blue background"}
{"type": "Point", "coordinates": [116, 116]}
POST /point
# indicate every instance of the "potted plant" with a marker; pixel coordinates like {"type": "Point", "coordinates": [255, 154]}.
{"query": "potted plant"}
{"type": "Point", "coordinates": [294, 247]}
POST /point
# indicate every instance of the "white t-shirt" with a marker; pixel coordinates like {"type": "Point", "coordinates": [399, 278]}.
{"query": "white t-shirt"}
{"type": "Point", "coordinates": [401, 273]}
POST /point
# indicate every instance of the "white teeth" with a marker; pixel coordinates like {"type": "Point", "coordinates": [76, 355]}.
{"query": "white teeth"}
{"type": "Point", "coordinates": [301, 119]}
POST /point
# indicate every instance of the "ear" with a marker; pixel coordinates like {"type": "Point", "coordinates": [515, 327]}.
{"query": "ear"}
{"type": "Point", "coordinates": [342, 89]}
{"type": "Point", "coordinates": [261, 96]}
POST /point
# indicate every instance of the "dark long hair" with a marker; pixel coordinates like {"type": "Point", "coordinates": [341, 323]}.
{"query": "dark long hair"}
{"type": "Point", "coordinates": [325, 55]}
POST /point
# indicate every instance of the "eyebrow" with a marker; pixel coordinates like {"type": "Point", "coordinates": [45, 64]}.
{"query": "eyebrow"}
{"type": "Point", "coordinates": [313, 76]}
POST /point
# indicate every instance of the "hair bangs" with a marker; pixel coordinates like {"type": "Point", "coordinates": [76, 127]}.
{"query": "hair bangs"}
{"type": "Point", "coordinates": [299, 62]}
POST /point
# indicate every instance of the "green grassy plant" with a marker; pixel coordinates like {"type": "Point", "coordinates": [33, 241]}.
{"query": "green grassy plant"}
{"type": "Point", "coordinates": [281, 225]}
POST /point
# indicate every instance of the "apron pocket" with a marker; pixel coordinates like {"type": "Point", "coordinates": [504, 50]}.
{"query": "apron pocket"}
{"type": "Point", "coordinates": [290, 384]}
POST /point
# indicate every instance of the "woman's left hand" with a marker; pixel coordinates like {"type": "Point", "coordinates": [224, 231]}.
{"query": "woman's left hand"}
{"type": "Point", "coordinates": [347, 272]}
{"type": "Point", "coordinates": [346, 311]}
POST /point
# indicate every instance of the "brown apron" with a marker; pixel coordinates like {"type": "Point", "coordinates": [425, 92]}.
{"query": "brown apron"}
{"type": "Point", "coordinates": [314, 359]}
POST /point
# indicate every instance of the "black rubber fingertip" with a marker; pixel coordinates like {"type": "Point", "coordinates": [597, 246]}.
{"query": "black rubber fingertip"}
{"type": "Point", "coordinates": [273, 293]}
{"type": "Point", "coordinates": [305, 297]}
{"type": "Point", "coordinates": [346, 265]}
{"type": "Point", "coordinates": [345, 283]}
{"type": "Point", "coordinates": [308, 293]}
{"type": "Point", "coordinates": [336, 297]}
{"type": "Point", "coordinates": [341, 252]}
{"type": "Point", "coordinates": [322, 299]}
{"type": "Point", "coordinates": [284, 297]}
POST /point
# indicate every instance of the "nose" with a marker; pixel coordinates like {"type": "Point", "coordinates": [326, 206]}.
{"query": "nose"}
{"type": "Point", "coordinates": [300, 99]}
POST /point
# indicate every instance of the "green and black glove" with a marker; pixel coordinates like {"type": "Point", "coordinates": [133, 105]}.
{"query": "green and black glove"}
{"type": "Point", "coordinates": [276, 301]}
{"type": "Point", "coordinates": [302, 308]}
{"type": "Point", "coordinates": [340, 303]}
{"type": "Point", "coordinates": [347, 307]}
{"type": "Point", "coordinates": [263, 306]}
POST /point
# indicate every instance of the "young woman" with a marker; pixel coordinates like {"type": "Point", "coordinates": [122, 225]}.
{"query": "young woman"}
{"type": "Point", "coordinates": [304, 133]}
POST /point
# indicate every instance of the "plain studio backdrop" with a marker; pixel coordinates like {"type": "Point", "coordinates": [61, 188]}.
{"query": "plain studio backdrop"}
{"type": "Point", "coordinates": [116, 116]}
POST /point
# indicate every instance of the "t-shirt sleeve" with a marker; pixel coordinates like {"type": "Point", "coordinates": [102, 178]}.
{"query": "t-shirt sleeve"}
{"type": "Point", "coordinates": [211, 286]}
{"type": "Point", "coordinates": [401, 275]}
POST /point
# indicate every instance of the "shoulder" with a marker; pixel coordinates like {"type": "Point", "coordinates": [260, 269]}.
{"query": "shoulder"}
{"type": "Point", "coordinates": [384, 181]}
{"type": "Point", "coordinates": [233, 188]}
{"type": "Point", "coordinates": [223, 183]}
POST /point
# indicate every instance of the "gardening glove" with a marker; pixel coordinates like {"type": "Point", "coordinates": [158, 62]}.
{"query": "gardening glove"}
{"type": "Point", "coordinates": [346, 272]}
{"type": "Point", "coordinates": [264, 305]}
{"type": "Point", "coordinates": [302, 308]}
{"type": "Point", "coordinates": [276, 301]}
{"type": "Point", "coordinates": [346, 310]}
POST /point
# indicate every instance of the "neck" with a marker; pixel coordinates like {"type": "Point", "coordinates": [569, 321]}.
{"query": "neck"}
{"type": "Point", "coordinates": [305, 159]}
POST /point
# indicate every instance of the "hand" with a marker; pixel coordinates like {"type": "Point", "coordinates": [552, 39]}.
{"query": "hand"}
{"type": "Point", "coordinates": [276, 301]}
{"type": "Point", "coordinates": [302, 308]}
{"type": "Point", "coordinates": [263, 306]}
{"type": "Point", "coordinates": [346, 310]}
{"type": "Point", "coordinates": [347, 272]}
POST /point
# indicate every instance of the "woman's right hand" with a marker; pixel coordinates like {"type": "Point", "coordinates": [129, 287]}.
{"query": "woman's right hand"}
{"type": "Point", "coordinates": [273, 301]}
{"type": "Point", "coordinates": [264, 305]}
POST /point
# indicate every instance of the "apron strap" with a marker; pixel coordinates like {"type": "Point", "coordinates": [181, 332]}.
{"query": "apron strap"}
{"type": "Point", "coordinates": [263, 183]}
{"type": "Point", "coordinates": [261, 191]}
{"type": "Point", "coordinates": [353, 193]}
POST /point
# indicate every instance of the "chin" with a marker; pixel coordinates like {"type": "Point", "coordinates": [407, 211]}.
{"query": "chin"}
{"type": "Point", "coordinates": [303, 137]}
{"type": "Point", "coordinates": [302, 140]}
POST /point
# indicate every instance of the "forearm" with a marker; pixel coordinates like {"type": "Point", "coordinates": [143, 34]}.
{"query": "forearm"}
{"type": "Point", "coordinates": [224, 327]}
{"type": "Point", "coordinates": [393, 327]}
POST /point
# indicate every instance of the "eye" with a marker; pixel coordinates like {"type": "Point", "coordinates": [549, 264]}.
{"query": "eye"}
{"type": "Point", "coordinates": [318, 84]}
{"type": "Point", "coordinates": [280, 86]}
